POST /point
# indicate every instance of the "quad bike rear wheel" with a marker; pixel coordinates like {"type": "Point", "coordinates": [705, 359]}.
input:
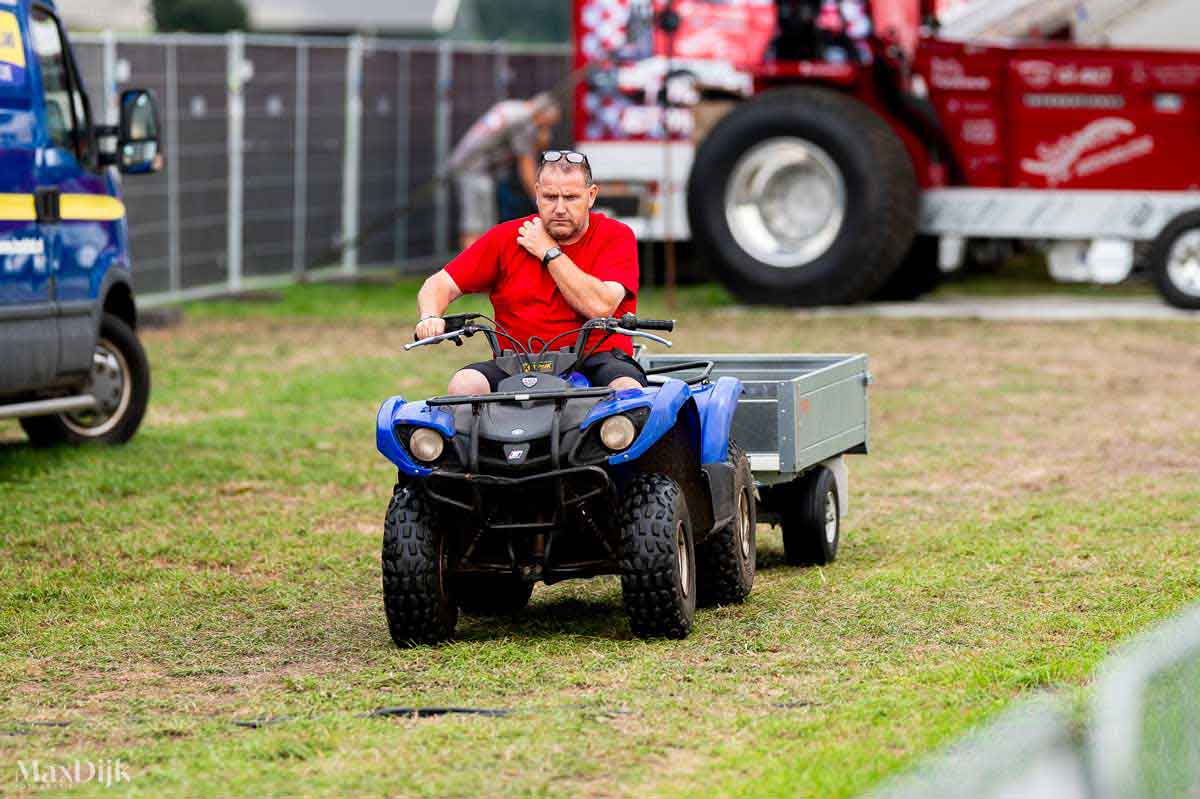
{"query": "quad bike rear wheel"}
{"type": "Point", "coordinates": [417, 598]}
{"type": "Point", "coordinates": [658, 559]}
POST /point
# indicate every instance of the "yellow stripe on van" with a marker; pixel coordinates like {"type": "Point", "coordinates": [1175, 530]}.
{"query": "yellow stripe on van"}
{"type": "Point", "coordinates": [17, 208]}
{"type": "Point", "coordinates": [12, 49]}
{"type": "Point", "coordinates": [90, 208]}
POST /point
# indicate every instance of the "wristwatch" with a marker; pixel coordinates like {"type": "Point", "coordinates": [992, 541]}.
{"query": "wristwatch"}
{"type": "Point", "coordinates": [550, 255]}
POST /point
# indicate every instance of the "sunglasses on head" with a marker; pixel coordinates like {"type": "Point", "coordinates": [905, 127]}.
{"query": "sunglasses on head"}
{"type": "Point", "coordinates": [572, 157]}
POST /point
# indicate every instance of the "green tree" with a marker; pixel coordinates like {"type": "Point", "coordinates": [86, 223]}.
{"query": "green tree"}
{"type": "Point", "coordinates": [200, 16]}
{"type": "Point", "coordinates": [522, 20]}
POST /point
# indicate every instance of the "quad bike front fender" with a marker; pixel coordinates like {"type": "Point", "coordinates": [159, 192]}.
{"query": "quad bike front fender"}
{"type": "Point", "coordinates": [664, 403]}
{"type": "Point", "coordinates": [395, 411]}
{"type": "Point", "coordinates": [717, 403]}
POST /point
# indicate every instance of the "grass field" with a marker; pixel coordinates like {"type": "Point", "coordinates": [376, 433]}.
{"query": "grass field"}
{"type": "Point", "coordinates": [1030, 500]}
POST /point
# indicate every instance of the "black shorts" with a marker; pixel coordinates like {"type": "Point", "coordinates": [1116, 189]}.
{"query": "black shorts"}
{"type": "Point", "coordinates": [600, 369]}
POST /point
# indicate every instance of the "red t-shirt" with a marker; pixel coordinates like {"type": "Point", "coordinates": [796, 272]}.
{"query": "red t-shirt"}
{"type": "Point", "coordinates": [525, 297]}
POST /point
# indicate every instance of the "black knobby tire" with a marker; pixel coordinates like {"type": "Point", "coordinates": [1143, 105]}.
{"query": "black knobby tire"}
{"type": "Point", "coordinates": [1160, 261]}
{"type": "Point", "coordinates": [918, 274]}
{"type": "Point", "coordinates": [659, 596]}
{"type": "Point", "coordinates": [726, 560]}
{"type": "Point", "coordinates": [804, 509]}
{"type": "Point", "coordinates": [118, 339]}
{"type": "Point", "coordinates": [881, 190]}
{"type": "Point", "coordinates": [417, 599]}
{"type": "Point", "coordinates": [491, 594]}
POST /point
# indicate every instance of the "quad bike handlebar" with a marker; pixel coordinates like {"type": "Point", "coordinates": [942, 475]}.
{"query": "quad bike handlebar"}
{"type": "Point", "coordinates": [460, 326]}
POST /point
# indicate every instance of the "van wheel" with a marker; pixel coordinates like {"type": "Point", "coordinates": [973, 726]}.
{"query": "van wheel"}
{"type": "Point", "coordinates": [120, 381]}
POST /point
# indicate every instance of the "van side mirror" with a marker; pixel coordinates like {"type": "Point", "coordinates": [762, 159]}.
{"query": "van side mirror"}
{"type": "Point", "coordinates": [139, 150]}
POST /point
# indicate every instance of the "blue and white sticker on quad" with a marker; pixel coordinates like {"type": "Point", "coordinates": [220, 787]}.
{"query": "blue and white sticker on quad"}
{"type": "Point", "coordinates": [516, 453]}
{"type": "Point", "coordinates": [12, 50]}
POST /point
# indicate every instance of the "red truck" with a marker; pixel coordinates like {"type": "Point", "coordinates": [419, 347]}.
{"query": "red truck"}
{"type": "Point", "coordinates": [831, 151]}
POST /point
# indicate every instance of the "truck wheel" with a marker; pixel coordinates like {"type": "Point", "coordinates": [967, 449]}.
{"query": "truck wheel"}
{"type": "Point", "coordinates": [658, 560]}
{"type": "Point", "coordinates": [416, 595]}
{"type": "Point", "coordinates": [919, 273]}
{"type": "Point", "coordinates": [803, 196]}
{"type": "Point", "coordinates": [811, 519]}
{"type": "Point", "coordinates": [120, 381]}
{"type": "Point", "coordinates": [726, 559]}
{"type": "Point", "coordinates": [1175, 261]}
{"type": "Point", "coordinates": [491, 594]}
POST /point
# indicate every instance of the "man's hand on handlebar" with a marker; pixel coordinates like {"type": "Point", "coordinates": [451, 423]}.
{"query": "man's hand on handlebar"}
{"type": "Point", "coordinates": [433, 326]}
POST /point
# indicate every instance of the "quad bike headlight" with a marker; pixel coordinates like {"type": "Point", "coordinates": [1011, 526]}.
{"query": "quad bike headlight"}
{"type": "Point", "coordinates": [426, 445]}
{"type": "Point", "coordinates": [618, 432]}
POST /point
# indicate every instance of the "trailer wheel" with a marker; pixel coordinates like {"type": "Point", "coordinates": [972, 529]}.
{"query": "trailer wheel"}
{"type": "Point", "coordinates": [416, 593]}
{"type": "Point", "coordinates": [726, 559]}
{"type": "Point", "coordinates": [803, 196]}
{"type": "Point", "coordinates": [658, 560]}
{"type": "Point", "coordinates": [811, 519]}
{"type": "Point", "coordinates": [491, 594]}
{"type": "Point", "coordinates": [1175, 261]}
{"type": "Point", "coordinates": [919, 273]}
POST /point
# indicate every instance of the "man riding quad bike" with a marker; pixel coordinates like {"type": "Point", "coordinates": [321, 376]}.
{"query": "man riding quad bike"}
{"type": "Point", "coordinates": [548, 478]}
{"type": "Point", "coordinates": [548, 463]}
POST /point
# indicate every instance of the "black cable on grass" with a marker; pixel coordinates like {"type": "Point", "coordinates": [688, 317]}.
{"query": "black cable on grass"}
{"type": "Point", "coordinates": [26, 727]}
{"type": "Point", "coordinates": [382, 712]}
{"type": "Point", "coordinates": [430, 712]}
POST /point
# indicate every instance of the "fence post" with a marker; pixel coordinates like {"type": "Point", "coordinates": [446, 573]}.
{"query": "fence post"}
{"type": "Point", "coordinates": [111, 112]}
{"type": "Point", "coordinates": [352, 155]}
{"type": "Point", "coordinates": [174, 262]}
{"type": "Point", "coordinates": [445, 80]}
{"type": "Point", "coordinates": [403, 67]}
{"type": "Point", "coordinates": [234, 67]}
{"type": "Point", "coordinates": [503, 77]}
{"type": "Point", "coordinates": [300, 164]}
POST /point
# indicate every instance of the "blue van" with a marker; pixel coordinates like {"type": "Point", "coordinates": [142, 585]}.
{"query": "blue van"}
{"type": "Point", "coordinates": [71, 366]}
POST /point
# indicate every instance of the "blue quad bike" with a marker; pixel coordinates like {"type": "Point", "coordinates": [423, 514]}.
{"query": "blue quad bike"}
{"type": "Point", "coordinates": [550, 478]}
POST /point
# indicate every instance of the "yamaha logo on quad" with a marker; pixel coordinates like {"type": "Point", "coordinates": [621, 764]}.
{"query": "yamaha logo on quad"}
{"type": "Point", "coordinates": [529, 382]}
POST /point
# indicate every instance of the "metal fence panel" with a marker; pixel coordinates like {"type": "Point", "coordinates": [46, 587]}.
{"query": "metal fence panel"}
{"type": "Point", "coordinates": [1145, 735]}
{"type": "Point", "coordinates": [269, 162]}
{"type": "Point", "coordinates": [202, 157]}
{"type": "Point", "coordinates": [422, 152]}
{"type": "Point", "coordinates": [324, 156]}
{"type": "Point", "coordinates": [1028, 753]}
{"type": "Point", "coordinates": [381, 141]}
{"type": "Point", "coordinates": [144, 66]}
{"type": "Point", "coordinates": [278, 116]}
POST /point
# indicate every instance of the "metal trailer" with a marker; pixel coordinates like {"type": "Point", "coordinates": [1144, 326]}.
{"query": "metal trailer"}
{"type": "Point", "coordinates": [797, 419]}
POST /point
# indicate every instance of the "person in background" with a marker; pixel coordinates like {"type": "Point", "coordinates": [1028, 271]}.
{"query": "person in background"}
{"type": "Point", "coordinates": [502, 145]}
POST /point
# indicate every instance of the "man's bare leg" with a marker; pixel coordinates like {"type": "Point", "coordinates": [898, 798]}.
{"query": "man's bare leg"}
{"type": "Point", "coordinates": [468, 382]}
{"type": "Point", "coordinates": [622, 383]}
